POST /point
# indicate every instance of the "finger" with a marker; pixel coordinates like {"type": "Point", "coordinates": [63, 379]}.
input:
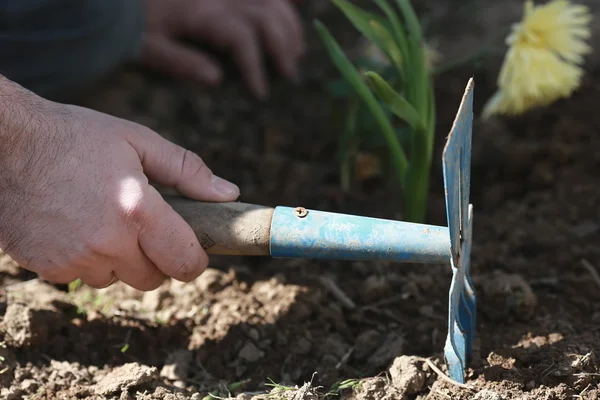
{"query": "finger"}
{"type": "Point", "coordinates": [170, 57]}
{"type": "Point", "coordinates": [168, 240]}
{"type": "Point", "coordinates": [97, 283]}
{"type": "Point", "coordinates": [245, 45]}
{"type": "Point", "coordinates": [279, 41]}
{"type": "Point", "coordinates": [293, 21]}
{"type": "Point", "coordinates": [140, 273]}
{"type": "Point", "coordinates": [242, 40]}
{"type": "Point", "coordinates": [58, 275]}
{"type": "Point", "coordinates": [96, 276]}
{"type": "Point", "coordinates": [171, 165]}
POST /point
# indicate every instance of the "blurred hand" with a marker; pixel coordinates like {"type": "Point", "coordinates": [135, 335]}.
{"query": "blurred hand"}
{"type": "Point", "coordinates": [239, 26]}
{"type": "Point", "coordinates": [75, 198]}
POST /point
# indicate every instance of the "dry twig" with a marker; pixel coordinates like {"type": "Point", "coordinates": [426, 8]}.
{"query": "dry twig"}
{"type": "Point", "coordinates": [591, 270]}
{"type": "Point", "coordinates": [337, 292]}
{"type": "Point", "coordinates": [445, 377]}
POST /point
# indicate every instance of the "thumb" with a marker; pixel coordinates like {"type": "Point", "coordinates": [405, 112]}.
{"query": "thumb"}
{"type": "Point", "coordinates": [171, 165]}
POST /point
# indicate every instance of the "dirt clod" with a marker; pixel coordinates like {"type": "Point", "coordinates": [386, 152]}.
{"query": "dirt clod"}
{"type": "Point", "coordinates": [23, 326]}
{"type": "Point", "coordinates": [370, 389]}
{"type": "Point", "coordinates": [508, 294]}
{"type": "Point", "coordinates": [407, 375]}
{"type": "Point", "coordinates": [250, 352]}
{"type": "Point", "coordinates": [125, 377]}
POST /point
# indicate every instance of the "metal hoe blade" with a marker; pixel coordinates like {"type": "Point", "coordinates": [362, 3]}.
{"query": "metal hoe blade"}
{"type": "Point", "coordinates": [462, 299]}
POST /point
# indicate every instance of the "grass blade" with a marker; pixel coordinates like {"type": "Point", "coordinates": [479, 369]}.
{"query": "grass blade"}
{"type": "Point", "coordinates": [412, 21]}
{"type": "Point", "coordinates": [391, 49]}
{"type": "Point", "coordinates": [395, 102]}
{"type": "Point", "coordinates": [396, 26]}
{"type": "Point", "coordinates": [373, 28]}
{"type": "Point", "coordinates": [354, 78]}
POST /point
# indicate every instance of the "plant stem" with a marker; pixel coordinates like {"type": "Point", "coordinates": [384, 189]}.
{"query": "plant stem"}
{"type": "Point", "coordinates": [416, 188]}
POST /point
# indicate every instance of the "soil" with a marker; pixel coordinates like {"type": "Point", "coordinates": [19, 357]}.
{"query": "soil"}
{"type": "Point", "coordinates": [256, 327]}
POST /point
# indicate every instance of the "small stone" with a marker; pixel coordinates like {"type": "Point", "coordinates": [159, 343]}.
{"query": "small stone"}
{"type": "Point", "coordinates": [250, 352]}
{"type": "Point", "coordinates": [253, 334]}
{"type": "Point", "coordinates": [303, 346]}
{"type": "Point", "coordinates": [125, 395]}
{"type": "Point", "coordinates": [530, 385]}
{"type": "Point", "coordinates": [177, 365]}
{"type": "Point", "coordinates": [29, 385]}
{"type": "Point", "coordinates": [179, 384]}
{"type": "Point", "coordinates": [375, 287]}
{"type": "Point", "coordinates": [125, 377]}
{"type": "Point", "coordinates": [486, 394]}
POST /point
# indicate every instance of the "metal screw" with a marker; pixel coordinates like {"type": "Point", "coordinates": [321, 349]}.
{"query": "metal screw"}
{"type": "Point", "coordinates": [300, 212]}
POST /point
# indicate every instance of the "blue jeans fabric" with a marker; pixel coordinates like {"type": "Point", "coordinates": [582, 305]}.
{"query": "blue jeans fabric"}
{"type": "Point", "coordinates": [57, 48]}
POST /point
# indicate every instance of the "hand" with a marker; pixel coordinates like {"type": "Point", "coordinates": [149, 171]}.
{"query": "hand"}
{"type": "Point", "coordinates": [230, 25]}
{"type": "Point", "coordinates": [75, 198]}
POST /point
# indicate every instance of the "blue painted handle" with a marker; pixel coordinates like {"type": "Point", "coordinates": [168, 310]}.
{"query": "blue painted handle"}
{"type": "Point", "coordinates": [326, 235]}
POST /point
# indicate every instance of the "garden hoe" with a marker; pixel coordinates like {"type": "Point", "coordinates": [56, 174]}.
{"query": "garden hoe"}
{"type": "Point", "coordinates": [245, 229]}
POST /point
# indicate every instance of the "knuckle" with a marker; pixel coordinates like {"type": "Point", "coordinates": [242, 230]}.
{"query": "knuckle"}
{"type": "Point", "coordinates": [149, 283]}
{"type": "Point", "coordinates": [97, 243]}
{"type": "Point", "coordinates": [193, 166]}
{"type": "Point", "coordinates": [133, 213]}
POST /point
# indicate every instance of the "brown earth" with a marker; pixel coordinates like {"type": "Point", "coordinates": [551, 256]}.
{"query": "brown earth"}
{"type": "Point", "coordinates": [249, 322]}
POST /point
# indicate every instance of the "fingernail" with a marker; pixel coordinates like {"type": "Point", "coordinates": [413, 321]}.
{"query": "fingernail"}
{"type": "Point", "coordinates": [224, 187]}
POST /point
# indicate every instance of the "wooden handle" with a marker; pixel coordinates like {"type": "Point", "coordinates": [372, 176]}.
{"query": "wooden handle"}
{"type": "Point", "coordinates": [227, 228]}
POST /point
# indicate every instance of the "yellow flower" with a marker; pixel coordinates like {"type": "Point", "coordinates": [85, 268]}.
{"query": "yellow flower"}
{"type": "Point", "coordinates": [543, 63]}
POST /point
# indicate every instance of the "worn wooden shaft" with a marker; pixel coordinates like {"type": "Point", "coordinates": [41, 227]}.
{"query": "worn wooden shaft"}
{"type": "Point", "coordinates": [227, 228]}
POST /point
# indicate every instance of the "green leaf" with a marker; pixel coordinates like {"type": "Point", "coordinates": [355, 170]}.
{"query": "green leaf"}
{"type": "Point", "coordinates": [353, 76]}
{"type": "Point", "coordinates": [374, 28]}
{"type": "Point", "coordinates": [361, 20]}
{"type": "Point", "coordinates": [412, 21]}
{"type": "Point", "coordinates": [396, 103]}
{"type": "Point", "coordinates": [398, 31]}
{"type": "Point", "coordinates": [391, 48]}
